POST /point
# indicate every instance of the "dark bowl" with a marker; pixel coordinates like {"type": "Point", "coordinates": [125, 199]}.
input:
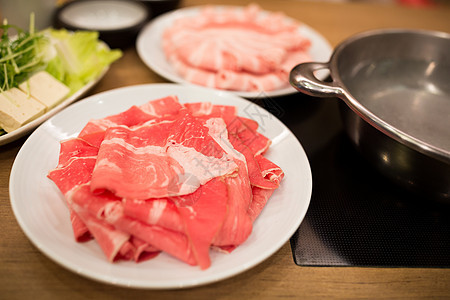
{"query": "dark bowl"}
{"type": "Point", "coordinates": [159, 7]}
{"type": "Point", "coordinates": [117, 21]}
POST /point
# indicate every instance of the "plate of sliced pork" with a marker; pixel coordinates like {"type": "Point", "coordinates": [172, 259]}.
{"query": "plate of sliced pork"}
{"type": "Point", "coordinates": [245, 50]}
{"type": "Point", "coordinates": [160, 186]}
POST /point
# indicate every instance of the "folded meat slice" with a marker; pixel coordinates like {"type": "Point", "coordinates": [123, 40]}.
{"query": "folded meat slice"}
{"type": "Point", "coordinates": [76, 162]}
{"type": "Point", "coordinates": [171, 242]}
{"type": "Point", "coordinates": [230, 79]}
{"type": "Point", "coordinates": [237, 225]}
{"type": "Point", "coordinates": [159, 160]}
{"type": "Point", "coordinates": [257, 142]}
{"type": "Point", "coordinates": [244, 128]}
{"type": "Point", "coordinates": [192, 74]}
{"type": "Point", "coordinates": [110, 240]}
{"type": "Point", "coordinates": [242, 81]}
{"type": "Point", "coordinates": [242, 136]}
{"type": "Point", "coordinates": [260, 198]}
{"type": "Point", "coordinates": [157, 211]}
{"type": "Point", "coordinates": [104, 212]}
{"type": "Point", "coordinates": [114, 243]}
{"type": "Point", "coordinates": [253, 168]}
{"type": "Point", "coordinates": [143, 250]}
{"type": "Point", "coordinates": [272, 173]}
{"type": "Point", "coordinates": [270, 170]}
{"type": "Point", "coordinates": [247, 131]}
{"type": "Point", "coordinates": [257, 179]}
{"type": "Point", "coordinates": [203, 213]}
{"type": "Point", "coordinates": [199, 215]}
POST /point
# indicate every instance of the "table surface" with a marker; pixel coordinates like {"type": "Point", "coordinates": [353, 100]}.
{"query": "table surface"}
{"type": "Point", "coordinates": [25, 273]}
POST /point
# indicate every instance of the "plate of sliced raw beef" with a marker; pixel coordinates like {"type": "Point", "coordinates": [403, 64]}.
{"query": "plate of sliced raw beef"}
{"type": "Point", "coordinates": [245, 50]}
{"type": "Point", "coordinates": [160, 186]}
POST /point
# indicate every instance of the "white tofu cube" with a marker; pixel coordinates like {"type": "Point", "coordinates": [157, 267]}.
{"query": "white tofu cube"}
{"type": "Point", "coordinates": [45, 88]}
{"type": "Point", "coordinates": [17, 109]}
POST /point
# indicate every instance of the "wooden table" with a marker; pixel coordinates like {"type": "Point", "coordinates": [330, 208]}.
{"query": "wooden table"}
{"type": "Point", "coordinates": [25, 273]}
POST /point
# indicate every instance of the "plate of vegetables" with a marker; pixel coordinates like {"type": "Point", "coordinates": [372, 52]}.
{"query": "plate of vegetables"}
{"type": "Point", "coordinates": [41, 72]}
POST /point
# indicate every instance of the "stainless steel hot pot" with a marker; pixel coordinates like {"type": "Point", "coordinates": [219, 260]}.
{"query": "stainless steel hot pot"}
{"type": "Point", "coordinates": [395, 87]}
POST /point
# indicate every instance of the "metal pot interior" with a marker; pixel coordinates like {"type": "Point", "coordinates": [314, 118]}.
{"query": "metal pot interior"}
{"type": "Point", "coordinates": [402, 77]}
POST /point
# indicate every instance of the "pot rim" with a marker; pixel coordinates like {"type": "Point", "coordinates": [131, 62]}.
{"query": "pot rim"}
{"type": "Point", "coordinates": [391, 131]}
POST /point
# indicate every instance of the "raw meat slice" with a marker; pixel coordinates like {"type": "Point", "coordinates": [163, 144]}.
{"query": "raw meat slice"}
{"type": "Point", "coordinates": [171, 242]}
{"type": "Point", "coordinates": [143, 251]}
{"type": "Point", "coordinates": [76, 162]}
{"type": "Point", "coordinates": [205, 54]}
{"type": "Point", "coordinates": [292, 59]}
{"type": "Point", "coordinates": [241, 123]}
{"type": "Point", "coordinates": [137, 250]}
{"type": "Point", "coordinates": [237, 225]}
{"type": "Point", "coordinates": [201, 109]}
{"type": "Point", "coordinates": [94, 138]}
{"type": "Point", "coordinates": [135, 115]}
{"type": "Point", "coordinates": [203, 213]}
{"type": "Point", "coordinates": [271, 172]}
{"type": "Point", "coordinates": [77, 172]}
{"type": "Point", "coordinates": [169, 162]}
{"type": "Point", "coordinates": [257, 142]}
{"type": "Point", "coordinates": [80, 231]}
{"type": "Point", "coordinates": [161, 212]}
{"type": "Point", "coordinates": [253, 143]}
{"type": "Point", "coordinates": [245, 128]}
{"type": "Point", "coordinates": [260, 197]}
{"type": "Point", "coordinates": [73, 149]}
{"type": "Point", "coordinates": [194, 75]}
{"type": "Point", "coordinates": [253, 52]}
{"type": "Point", "coordinates": [229, 79]}
{"type": "Point", "coordinates": [162, 107]}
{"type": "Point", "coordinates": [241, 81]}
{"type": "Point", "coordinates": [254, 172]}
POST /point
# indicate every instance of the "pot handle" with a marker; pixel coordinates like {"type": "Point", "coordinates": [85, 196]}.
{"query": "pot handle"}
{"type": "Point", "coordinates": [302, 78]}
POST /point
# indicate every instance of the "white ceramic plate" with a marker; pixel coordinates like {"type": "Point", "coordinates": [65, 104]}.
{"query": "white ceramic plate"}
{"type": "Point", "coordinates": [27, 128]}
{"type": "Point", "coordinates": [42, 214]}
{"type": "Point", "coordinates": [150, 50]}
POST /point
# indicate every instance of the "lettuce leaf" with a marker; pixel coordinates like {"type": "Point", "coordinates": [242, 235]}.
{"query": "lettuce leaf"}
{"type": "Point", "coordinates": [77, 57]}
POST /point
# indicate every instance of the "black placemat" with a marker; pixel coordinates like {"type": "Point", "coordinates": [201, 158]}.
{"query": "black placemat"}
{"type": "Point", "coordinates": [356, 216]}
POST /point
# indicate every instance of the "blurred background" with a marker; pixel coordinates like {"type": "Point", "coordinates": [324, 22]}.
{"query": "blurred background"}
{"type": "Point", "coordinates": [18, 11]}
